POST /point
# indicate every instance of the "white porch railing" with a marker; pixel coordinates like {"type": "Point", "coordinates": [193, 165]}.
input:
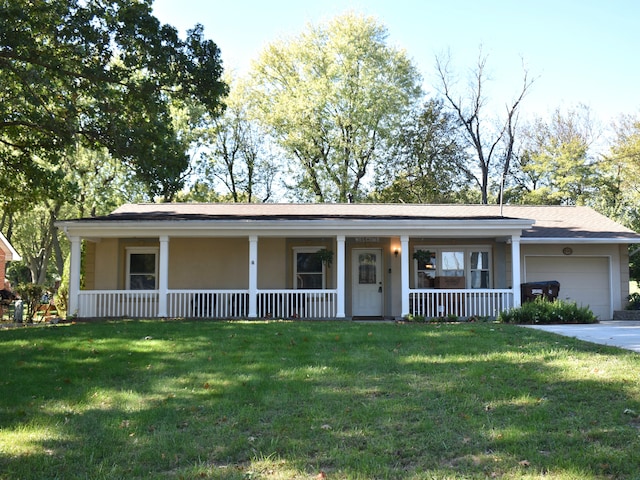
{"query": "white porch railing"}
{"type": "Point", "coordinates": [297, 303]}
{"type": "Point", "coordinates": [118, 303]}
{"type": "Point", "coordinates": [463, 303]}
{"type": "Point", "coordinates": [208, 304]}
{"type": "Point", "coordinates": [286, 304]}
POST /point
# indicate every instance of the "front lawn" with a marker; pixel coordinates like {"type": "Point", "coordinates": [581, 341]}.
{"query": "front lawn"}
{"type": "Point", "coordinates": [335, 400]}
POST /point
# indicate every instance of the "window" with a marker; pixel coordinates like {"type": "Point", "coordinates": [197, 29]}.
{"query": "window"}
{"type": "Point", "coordinates": [473, 263]}
{"type": "Point", "coordinates": [452, 264]}
{"type": "Point", "coordinates": [479, 269]}
{"type": "Point", "coordinates": [142, 268]}
{"type": "Point", "coordinates": [426, 270]}
{"type": "Point", "coordinates": [367, 268]}
{"type": "Point", "coordinates": [309, 270]}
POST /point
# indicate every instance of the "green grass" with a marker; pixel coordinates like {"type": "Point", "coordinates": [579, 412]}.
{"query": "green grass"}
{"type": "Point", "coordinates": [281, 400]}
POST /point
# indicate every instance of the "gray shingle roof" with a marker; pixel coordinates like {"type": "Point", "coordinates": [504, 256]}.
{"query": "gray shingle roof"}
{"type": "Point", "coordinates": [565, 222]}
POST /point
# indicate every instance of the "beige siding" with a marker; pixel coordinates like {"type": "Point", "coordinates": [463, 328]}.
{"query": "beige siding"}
{"type": "Point", "coordinates": [107, 261]}
{"type": "Point", "coordinates": [272, 263]}
{"type": "Point", "coordinates": [208, 263]}
{"type": "Point", "coordinates": [89, 266]}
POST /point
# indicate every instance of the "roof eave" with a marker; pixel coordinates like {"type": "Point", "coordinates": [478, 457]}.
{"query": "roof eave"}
{"type": "Point", "coordinates": [10, 253]}
{"type": "Point", "coordinates": [601, 240]}
{"type": "Point", "coordinates": [391, 227]}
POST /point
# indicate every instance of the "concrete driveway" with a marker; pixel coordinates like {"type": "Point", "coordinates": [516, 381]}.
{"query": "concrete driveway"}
{"type": "Point", "coordinates": [616, 333]}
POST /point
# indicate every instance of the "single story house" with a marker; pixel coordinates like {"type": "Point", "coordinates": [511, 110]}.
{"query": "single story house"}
{"type": "Point", "coordinates": [340, 260]}
{"type": "Point", "coordinates": [7, 254]}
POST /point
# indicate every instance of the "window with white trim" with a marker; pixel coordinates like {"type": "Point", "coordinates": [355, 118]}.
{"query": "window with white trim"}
{"type": "Point", "coordinates": [308, 268]}
{"type": "Point", "coordinates": [142, 268]}
{"type": "Point", "coordinates": [471, 262]}
{"type": "Point", "coordinates": [479, 271]}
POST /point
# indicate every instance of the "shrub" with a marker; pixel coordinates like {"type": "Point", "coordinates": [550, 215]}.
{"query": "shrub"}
{"type": "Point", "coordinates": [634, 301]}
{"type": "Point", "coordinates": [543, 311]}
{"type": "Point", "coordinates": [31, 294]}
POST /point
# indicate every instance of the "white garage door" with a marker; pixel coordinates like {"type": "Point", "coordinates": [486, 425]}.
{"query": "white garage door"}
{"type": "Point", "coordinates": [584, 280]}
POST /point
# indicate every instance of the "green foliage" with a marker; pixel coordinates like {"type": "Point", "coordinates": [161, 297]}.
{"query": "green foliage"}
{"type": "Point", "coordinates": [18, 272]}
{"type": "Point", "coordinates": [333, 98]}
{"type": "Point", "coordinates": [61, 299]}
{"type": "Point", "coordinates": [325, 255]}
{"type": "Point", "coordinates": [415, 318]}
{"type": "Point", "coordinates": [98, 74]}
{"type": "Point", "coordinates": [557, 165]}
{"type": "Point", "coordinates": [428, 161]}
{"type": "Point", "coordinates": [542, 312]}
{"type": "Point", "coordinates": [451, 318]}
{"type": "Point", "coordinates": [634, 301]}
{"type": "Point", "coordinates": [31, 294]}
{"type": "Point", "coordinates": [238, 157]}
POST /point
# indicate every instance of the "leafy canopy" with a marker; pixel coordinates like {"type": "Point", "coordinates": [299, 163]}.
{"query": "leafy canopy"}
{"type": "Point", "coordinates": [99, 74]}
{"type": "Point", "coordinates": [332, 97]}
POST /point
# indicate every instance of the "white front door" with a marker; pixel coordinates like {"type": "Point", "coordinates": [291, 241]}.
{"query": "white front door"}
{"type": "Point", "coordinates": [367, 291]}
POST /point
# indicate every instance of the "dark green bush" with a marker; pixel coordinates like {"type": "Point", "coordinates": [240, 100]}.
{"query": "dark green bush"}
{"type": "Point", "coordinates": [634, 301]}
{"type": "Point", "coordinates": [543, 312]}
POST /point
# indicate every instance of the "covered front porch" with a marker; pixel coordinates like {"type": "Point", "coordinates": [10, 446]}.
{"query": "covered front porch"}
{"type": "Point", "coordinates": [264, 277]}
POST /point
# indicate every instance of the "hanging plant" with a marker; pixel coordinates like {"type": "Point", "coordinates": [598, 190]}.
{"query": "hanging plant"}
{"type": "Point", "coordinates": [325, 256]}
{"type": "Point", "coordinates": [422, 256]}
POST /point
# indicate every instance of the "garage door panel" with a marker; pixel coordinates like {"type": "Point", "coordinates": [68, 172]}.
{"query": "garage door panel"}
{"type": "Point", "coordinates": [584, 280]}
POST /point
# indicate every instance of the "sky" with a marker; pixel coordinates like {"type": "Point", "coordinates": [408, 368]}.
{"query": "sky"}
{"type": "Point", "coordinates": [577, 51]}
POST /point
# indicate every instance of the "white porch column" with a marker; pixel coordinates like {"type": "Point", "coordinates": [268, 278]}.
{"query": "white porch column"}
{"type": "Point", "coordinates": [515, 269]}
{"type": "Point", "coordinates": [163, 281]}
{"type": "Point", "coordinates": [253, 276]}
{"type": "Point", "coordinates": [74, 275]}
{"type": "Point", "coordinates": [340, 276]}
{"type": "Point", "coordinates": [404, 273]}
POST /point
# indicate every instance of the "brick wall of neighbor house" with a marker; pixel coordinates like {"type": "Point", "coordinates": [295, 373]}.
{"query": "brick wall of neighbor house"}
{"type": "Point", "coordinates": [3, 266]}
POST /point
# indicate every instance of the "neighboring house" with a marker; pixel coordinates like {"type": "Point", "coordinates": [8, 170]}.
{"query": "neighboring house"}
{"type": "Point", "coordinates": [7, 254]}
{"type": "Point", "coordinates": [341, 260]}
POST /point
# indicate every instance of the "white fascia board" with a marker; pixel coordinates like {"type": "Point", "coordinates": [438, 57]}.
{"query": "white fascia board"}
{"type": "Point", "coordinates": [273, 228]}
{"type": "Point", "coordinates": [10, 252]}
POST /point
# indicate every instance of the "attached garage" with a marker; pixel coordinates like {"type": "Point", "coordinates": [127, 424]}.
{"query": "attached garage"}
{"type": "Point", "coordinates": [584, 280]}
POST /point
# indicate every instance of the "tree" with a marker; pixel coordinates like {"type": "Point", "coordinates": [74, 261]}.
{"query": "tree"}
{"type": "Point", "coordinates": [491, 142]}
{"type": "Point", "coordinates": [238, 156]}
{"type": "Point", "coordinates": [557, 165]}
{"type": "Point", "coordinates": [99, 74]}
{"type": "Point", "coordinates": [623, 164]}
{"type": "Point", "coordinates": [429, 160]}
{"type": "Point", "coordinates": [332, 98]}
{"type": "Point", "coordinates": [95, 184]}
